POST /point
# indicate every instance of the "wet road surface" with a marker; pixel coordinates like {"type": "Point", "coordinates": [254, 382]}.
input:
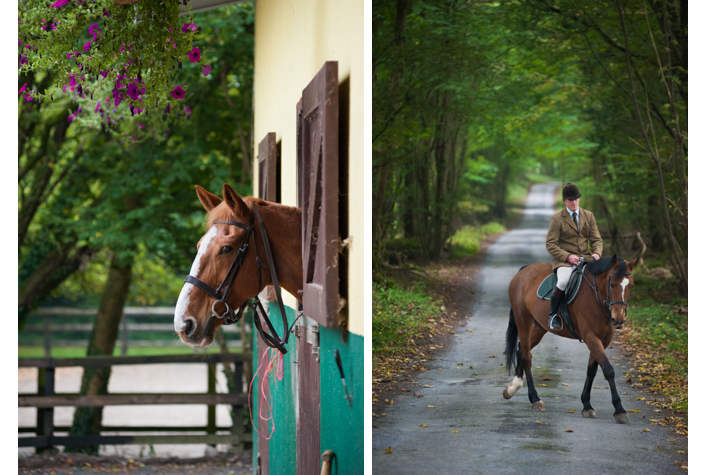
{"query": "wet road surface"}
{"type": "Point", "coordinates": [471, 429]}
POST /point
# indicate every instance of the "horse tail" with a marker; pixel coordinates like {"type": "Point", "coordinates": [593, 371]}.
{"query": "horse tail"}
{"type": "Point", "coordinates": [512, 345]}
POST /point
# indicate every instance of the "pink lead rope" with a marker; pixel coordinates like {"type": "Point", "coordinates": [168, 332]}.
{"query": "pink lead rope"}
{"type": "Point", "coordinates": [275, 362]}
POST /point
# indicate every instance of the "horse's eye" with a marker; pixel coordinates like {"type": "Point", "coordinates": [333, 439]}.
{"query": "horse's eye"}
{"type": "Point", "coordinates": [226, 250]}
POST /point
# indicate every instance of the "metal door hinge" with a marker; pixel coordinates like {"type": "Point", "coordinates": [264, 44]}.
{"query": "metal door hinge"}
{"type": "Point", "coordinates": [313, 339]}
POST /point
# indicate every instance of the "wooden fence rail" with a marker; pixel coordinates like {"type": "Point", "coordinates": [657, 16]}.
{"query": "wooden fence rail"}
{"type": "Point", "coordinates": [45, 400]}
{"type": "Point", "coordinates": [48, 328]}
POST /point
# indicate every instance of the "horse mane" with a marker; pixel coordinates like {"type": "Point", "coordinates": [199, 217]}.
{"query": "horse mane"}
{"type": "Point", "coordinates": [604, 264]}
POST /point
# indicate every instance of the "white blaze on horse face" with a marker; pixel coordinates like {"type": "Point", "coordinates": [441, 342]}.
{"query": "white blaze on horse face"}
{"type": "Point", "coordinates": [624, 283]}
{"type": "Point", "coordinates": [184, 299]}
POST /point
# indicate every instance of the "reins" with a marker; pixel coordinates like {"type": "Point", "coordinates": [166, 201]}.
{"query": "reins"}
{"type": "Point", "coordinates": [220, 293]}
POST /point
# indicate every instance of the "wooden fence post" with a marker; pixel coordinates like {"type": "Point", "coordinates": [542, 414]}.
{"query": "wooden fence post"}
{"type": "Point", "coordinates": [45, 416]}
{"type": "Point", "coordinates": [124, 334]}
{"type": "Point", "coordinates": [211, 389]}
{"type": "Point", "coordinates": [47, 336]}
{"type": "Point", "coordinates": [238, 411]}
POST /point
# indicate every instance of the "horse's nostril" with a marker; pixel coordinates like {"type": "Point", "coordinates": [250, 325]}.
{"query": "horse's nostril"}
{"type": "Point", "coordinates": [190, 326]}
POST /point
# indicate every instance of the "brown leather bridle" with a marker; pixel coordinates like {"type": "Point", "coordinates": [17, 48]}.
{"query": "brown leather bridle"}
{"type": "Point", "coordinates": [221, 293]}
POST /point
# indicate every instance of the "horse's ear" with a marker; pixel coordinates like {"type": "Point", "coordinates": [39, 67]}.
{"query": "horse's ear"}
{"type": "Point", "coordinates": [208, 200]}
{"type": "Point", "coordinates": [234, 201]}
{"type": "Point", "coordinates": [614, 261]}
{"type": "Point", "coordinates": [631, 265]}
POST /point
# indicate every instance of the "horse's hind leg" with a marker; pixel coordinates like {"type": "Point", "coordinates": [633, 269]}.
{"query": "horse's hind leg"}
{"type": "Point", "coordinates": [534, 335]}
{"type": "Point", "coordinates": [588, 410]}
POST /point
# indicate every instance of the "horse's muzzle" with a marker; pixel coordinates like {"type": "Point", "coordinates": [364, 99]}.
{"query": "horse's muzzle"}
{"type": "Point", "coordinates": [618, 326]}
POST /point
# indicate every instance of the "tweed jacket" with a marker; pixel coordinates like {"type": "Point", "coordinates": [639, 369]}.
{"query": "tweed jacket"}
{"type": "Point", "coordinates": [563, 238]}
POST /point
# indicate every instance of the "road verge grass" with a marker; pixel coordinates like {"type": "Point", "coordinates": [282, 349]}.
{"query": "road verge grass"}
{"type": "Point", "coordinates": [655, 339]}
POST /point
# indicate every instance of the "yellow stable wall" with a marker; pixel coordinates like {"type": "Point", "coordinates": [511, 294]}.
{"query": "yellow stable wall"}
{"type": "Point", "coordinates": [293, 41]}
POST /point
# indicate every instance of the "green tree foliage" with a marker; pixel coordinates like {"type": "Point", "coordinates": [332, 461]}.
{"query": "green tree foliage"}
{"type": "Point", "coordinates": [85, 190]}
{"type": "Point", "coordinates": [470, 98]}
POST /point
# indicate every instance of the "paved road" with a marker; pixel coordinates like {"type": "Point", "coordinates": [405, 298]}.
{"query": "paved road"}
{"type": "Point", "coordinates": [471, 429]}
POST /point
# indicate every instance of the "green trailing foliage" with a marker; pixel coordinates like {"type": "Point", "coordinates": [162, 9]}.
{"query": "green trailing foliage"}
{"type": "Point", "coordinates": [94, 45]}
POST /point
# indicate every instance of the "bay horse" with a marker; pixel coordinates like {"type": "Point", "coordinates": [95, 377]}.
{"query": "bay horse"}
{"type": "Point", "coordinates": [233, 251]}
{"type": "Point", "coordinates": [600, 306]}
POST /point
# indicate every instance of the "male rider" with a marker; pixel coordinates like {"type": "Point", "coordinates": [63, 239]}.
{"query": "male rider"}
{"type": "Point", "coordinates": [573, 231]}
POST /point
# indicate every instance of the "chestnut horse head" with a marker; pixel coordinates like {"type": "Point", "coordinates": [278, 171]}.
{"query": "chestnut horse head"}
{"type": "Point", "coordinates": [231, 267]}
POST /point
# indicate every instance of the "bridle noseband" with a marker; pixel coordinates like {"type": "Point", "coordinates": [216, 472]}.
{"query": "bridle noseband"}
{"type": "Point", "coordinates": [220, 293]}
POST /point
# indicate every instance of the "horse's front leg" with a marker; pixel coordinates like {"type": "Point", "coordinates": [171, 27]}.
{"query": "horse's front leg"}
{"type": "Point", "coordinates": [588, 410]}
{"type": "Point", "coordinates": [597, 352]}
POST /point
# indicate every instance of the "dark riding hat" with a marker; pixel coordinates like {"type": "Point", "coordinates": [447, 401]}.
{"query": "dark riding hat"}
{"type": "Point", "coordinates": [570, 192]}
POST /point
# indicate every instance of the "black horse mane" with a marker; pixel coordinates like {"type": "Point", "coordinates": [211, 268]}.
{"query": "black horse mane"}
{"type": "Point", "coordinates": [604, 264]}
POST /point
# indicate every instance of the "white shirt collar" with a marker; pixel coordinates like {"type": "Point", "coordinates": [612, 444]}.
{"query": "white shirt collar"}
{"type": "Point", "coordinates": [570, 212]}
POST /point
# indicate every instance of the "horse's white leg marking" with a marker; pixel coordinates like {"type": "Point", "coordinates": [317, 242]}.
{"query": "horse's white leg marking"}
{"type": "Point", "coordinates": [184, 298]}
{"type": "Point", "coordinates": [514, 386]}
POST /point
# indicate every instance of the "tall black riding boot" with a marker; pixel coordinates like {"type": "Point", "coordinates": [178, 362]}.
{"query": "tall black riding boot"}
{"type": "Point", "coordinates": [555, 320]}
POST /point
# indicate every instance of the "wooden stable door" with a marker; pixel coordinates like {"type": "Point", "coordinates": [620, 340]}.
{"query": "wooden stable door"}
{"type": "Point", "coordinates": [317, 183]}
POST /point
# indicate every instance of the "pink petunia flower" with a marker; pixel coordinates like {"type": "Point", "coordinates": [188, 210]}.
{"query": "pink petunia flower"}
{"type": "Point", "coordinates": [23, 88]}
{"type": "Point", "coordinates": [59, 4]}
{"type": "Point", "coordinates": [178, 92]}
{"type": "Point", "coordinates": [206, 70]}
{"type": "Point", "coordinates": [194, 55]}
{"type": "Point", "coordinates": [132, 91]}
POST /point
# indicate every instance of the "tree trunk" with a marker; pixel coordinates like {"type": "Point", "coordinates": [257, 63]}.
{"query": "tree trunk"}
{"type": "Point", "coordinates": [52, 271]}
{"type": "Point", "coordinates": [87, 420]}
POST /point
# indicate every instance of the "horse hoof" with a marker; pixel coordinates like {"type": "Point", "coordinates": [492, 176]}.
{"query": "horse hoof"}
{"type": "Point", "coordinates": [621, 418]}
{"type": "Point", "coordinates": [589, 414]}
{"type": "Point", "coordinates": [506, 394]}
{"type": "Point", "coordinates": [538, 406]}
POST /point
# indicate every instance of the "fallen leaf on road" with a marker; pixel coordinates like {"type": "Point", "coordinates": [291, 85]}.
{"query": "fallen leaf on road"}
{"type": "Point", "coordinates": [417, 395]}
{"type": "Point", "coordinates": [431, 406]}
{"type": "Point", "coordinates": [571, 411]}
{"type": "Point", "coordinates": [539, 422]}
{"type": "Point", "coordinates": [424, 425]}
{"type": "Point", "coordinates": [645, 429]}
{"type": "Point", "coordinates": [565, 384]}
{"type": "Point", "coordinates": [388, 450]}
{"type": "Point", "coordinates": [546, 378]}
{"type": "Point", "coordinates": [634, 410]}
{"type": "Point", "coordinates": [455, 431]}
{"type": "Point", "coordinates": [569, 430]}
{"type": "Point", "coordinates": [389, 401]}
{"type": "Point", "coordinates": [427, 386]}
{"type": "Point", "coordinates": [492, 356]}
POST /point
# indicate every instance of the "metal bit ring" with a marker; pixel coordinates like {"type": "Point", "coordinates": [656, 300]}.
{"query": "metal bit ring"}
{"type": "Point", "coordinates": [228, 311]}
